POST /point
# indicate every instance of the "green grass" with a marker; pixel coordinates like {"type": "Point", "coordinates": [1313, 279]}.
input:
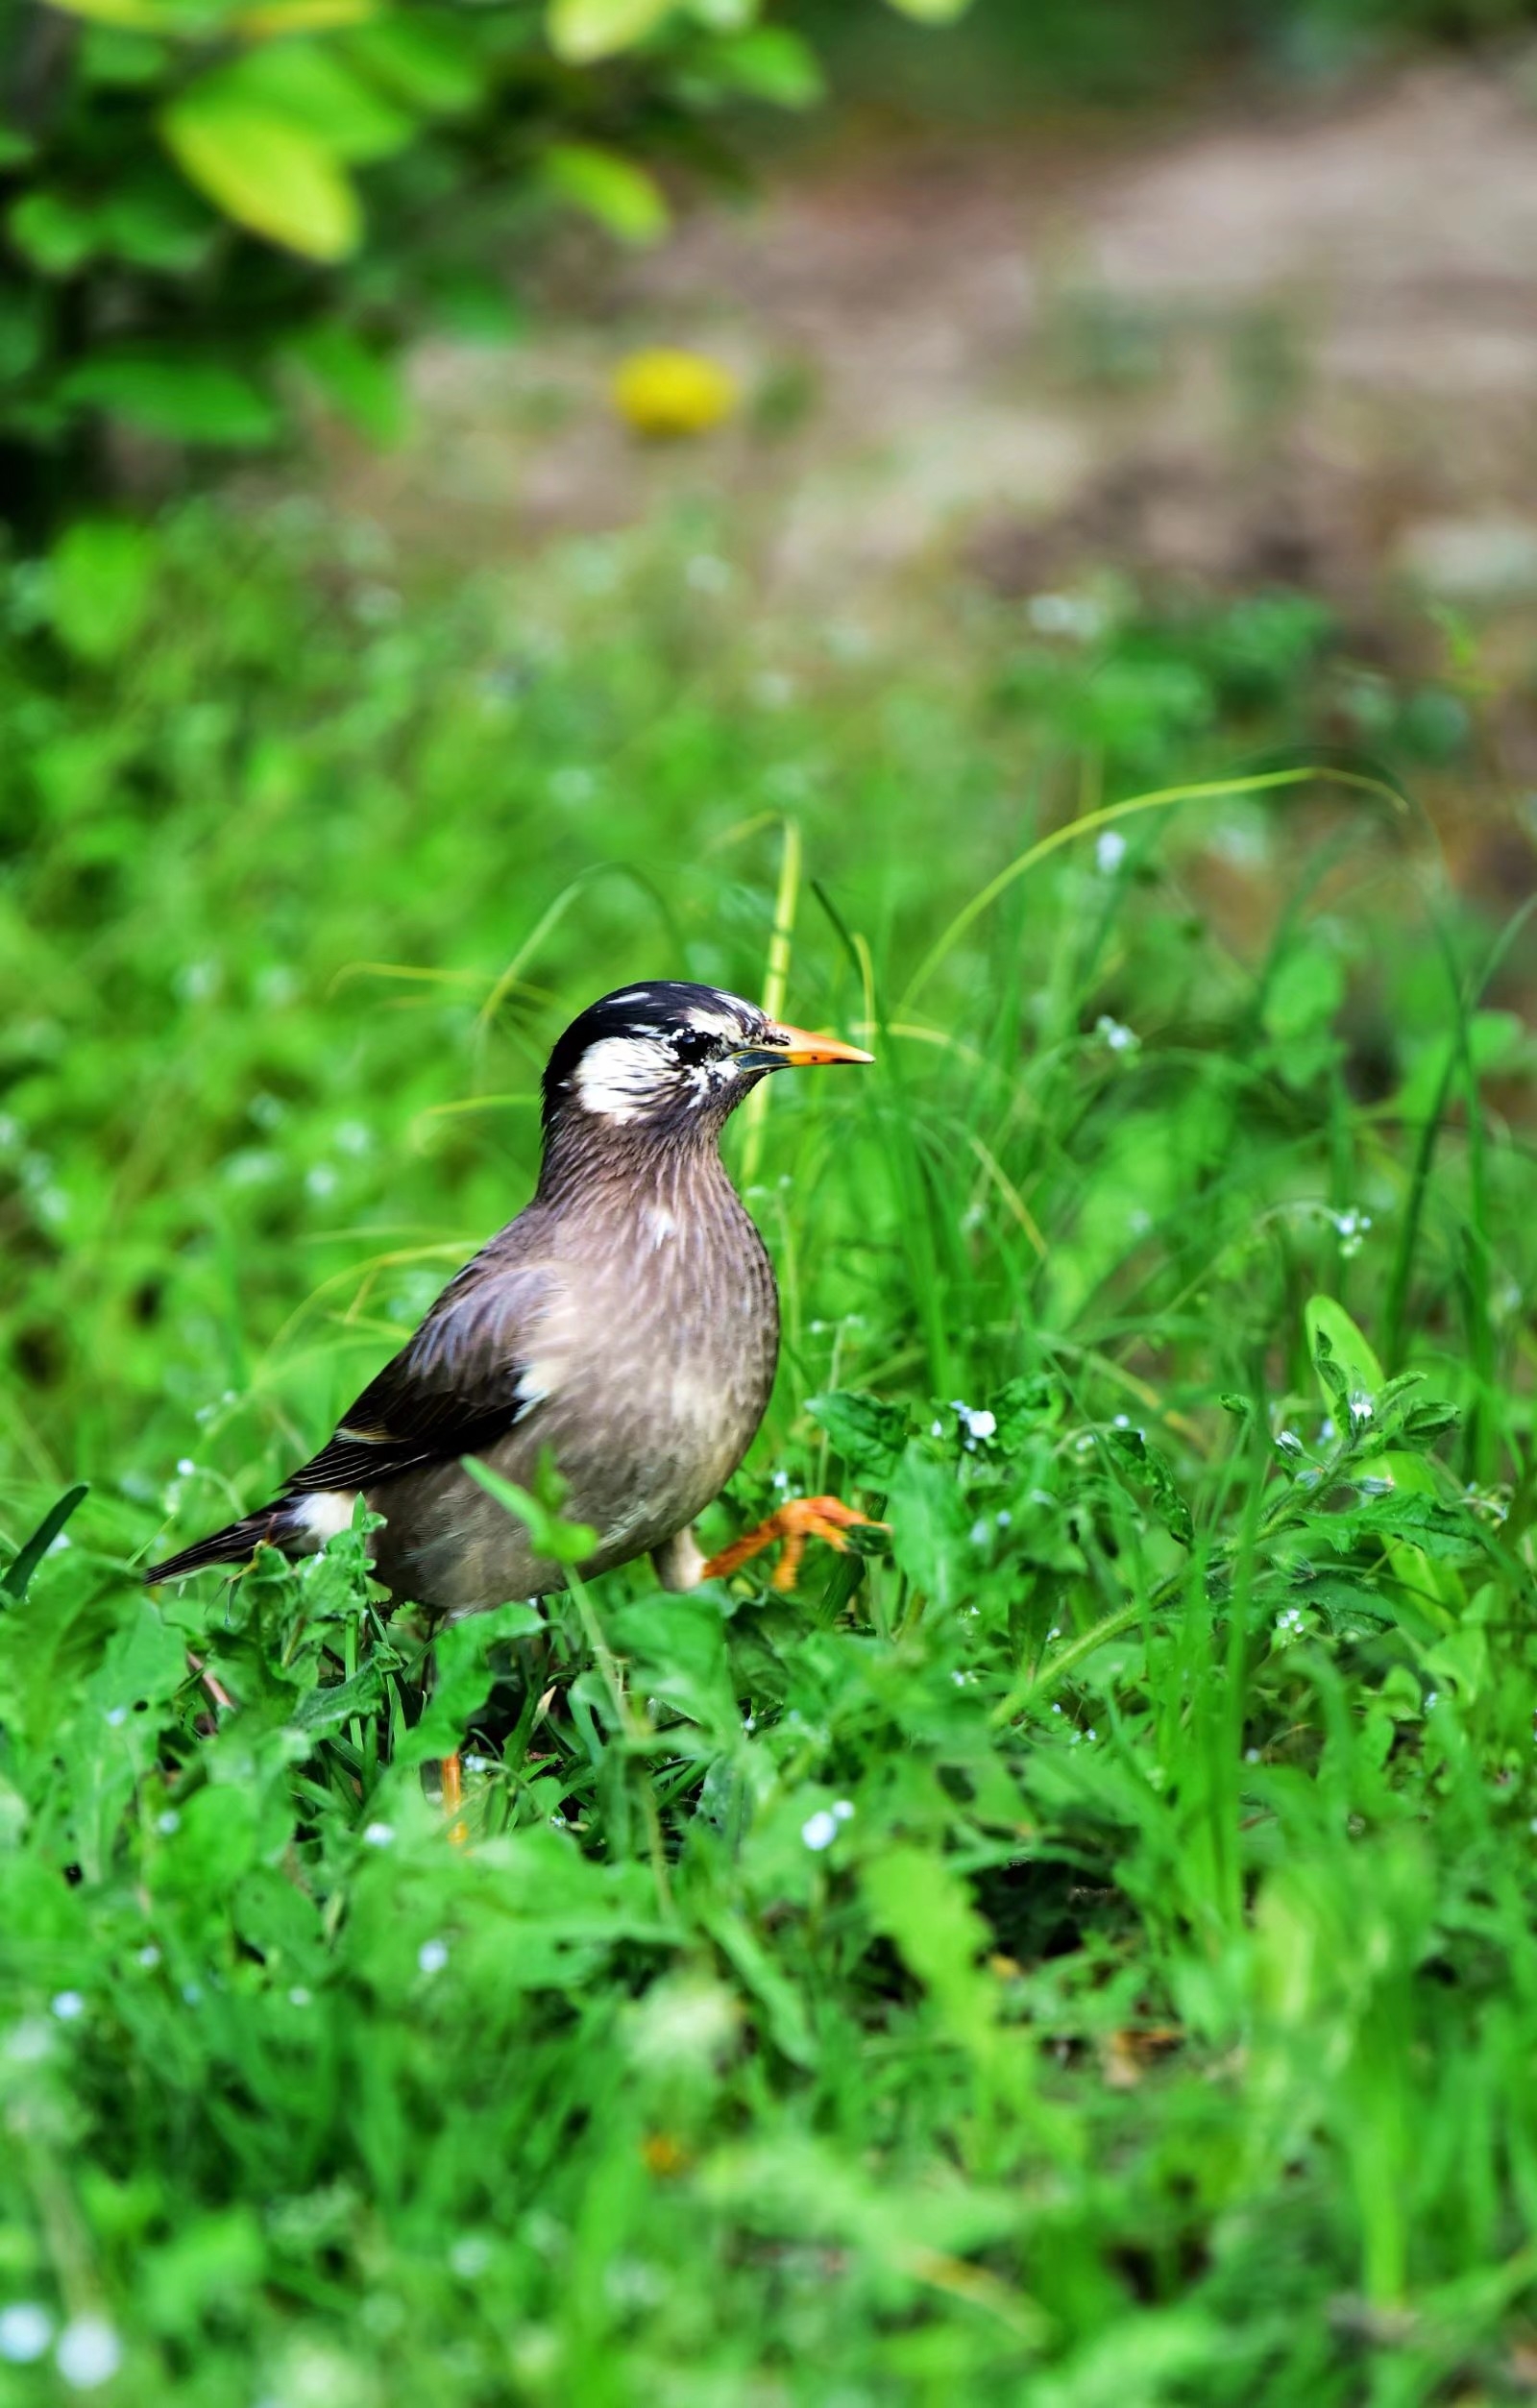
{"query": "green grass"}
{"type": "Point", "coordinates": [1080, 1952]}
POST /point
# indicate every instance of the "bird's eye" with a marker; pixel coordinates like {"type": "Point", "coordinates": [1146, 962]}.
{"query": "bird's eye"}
{"type": "Point", "coordinates": [694, 1045]}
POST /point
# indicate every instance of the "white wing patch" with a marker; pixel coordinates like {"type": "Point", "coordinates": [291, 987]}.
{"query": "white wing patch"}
{"type": "Point", "coordinates": [326, 1514]}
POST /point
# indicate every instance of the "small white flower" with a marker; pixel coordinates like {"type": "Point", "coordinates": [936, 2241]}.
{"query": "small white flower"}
{"type": "Point", "coordinates": [1431, 1697]}
{"type": "Point", "coordinates": [1251, 1755]}
{"type": "Point", "coordinates": [68, 2006]}
{"type": "Point", "coordinates": [167, 1822]}
{"type": "Point", "coordinates": [186, 1467]}
{"type": "Point", "coordinates": [1116, 1035]}
{"type": "Point", "coordinates": [1110, 851]}
{"type": "Point", "coordinates": [980, 1533]}
{"type": "Point", "coordinates": [479, 1764]}
{"type": "Point", "coordinates": [116, 1717]}
{"type": "Point", "coordinates": [843, 1809]}
{"type": "Point", "coordinates": [88, 2352]}
{"type": "Point", "coordinates": [378, 1834]}
{"type": "Point", "coordinates": [193, 1993]}
{"type": "Point", "coordinates": [470, 2256]}
{"type": "Point", "coordinates": [819, 1830]}
{"type": "Point", "coordinates": [321, 1180]}
{"type": "Point", "coordinates": [432, 1956]}
{"type": "Point", "coordinates": [1361, 1408]}
{"type": "Point", "coordinates": [149, 1955]}
{"type": "Point", "coordinates": [299, 1996]}
{"type": "Point", "coordinates": [26, 2328]}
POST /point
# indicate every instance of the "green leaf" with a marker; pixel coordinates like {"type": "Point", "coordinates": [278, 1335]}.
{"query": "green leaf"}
{"type": "Point", "coordinates": [23, 330]}
{"type": "Point", "coordinates": [56, 233]}
{"type": "Point", "coordinates": [620, 196]}
{"type": "Point", "coordinates": [102, 573]}
{"type": "Point", "coordinates": [1334, 1341]}
{"type": "Point", "coordinates": [925, 1908]}
{"type": "Point", "coordinates": [113, 54]}
{"type": "Point", "coordinates": [772, 62]}
{"type": "Point", "coordinates": [561, 1541]}
{"type": "Point", "coordinates": [427, 58]}
{"type": "Point", "coordinates": [179, 395]}
{"type": "Point", "coordinates": [306, 85]}
{"type": "Point", "coordinates": [154, 222]}
{"type": "Point", "coordinates": [16, 148]}
{"type": "Point", "coordinates": [932, 11]}
{"type": "Point", "coordinates": [868, 1433]}
{"type": "Point", "coordinates": [583, 29]}
{"type": "Point", "coordinates": [1305, 992]}
{"type": "Point", "coordinates": [363, 385]}
{"type": "Point", "coordinates": [929, 1523]}
{"type": "Point", "coordinates": [15, 1579]}
{"type": "Point", "coordinates": [1151, 1470]}
{"type": "Point", "coordinates": [272, 174]}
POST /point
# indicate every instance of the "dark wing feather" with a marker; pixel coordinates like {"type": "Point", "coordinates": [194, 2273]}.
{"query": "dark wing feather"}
{"type": "Point", "coordinates": [451, 1392]}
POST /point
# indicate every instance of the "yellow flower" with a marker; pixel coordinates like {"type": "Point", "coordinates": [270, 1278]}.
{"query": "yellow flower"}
{"type": "Point", "coordinates": [667, 393]}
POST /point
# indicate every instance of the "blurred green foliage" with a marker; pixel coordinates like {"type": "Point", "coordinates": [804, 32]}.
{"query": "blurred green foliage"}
{"type": "Point", "coordinates": [209, 208]}
{"type": "Point", "coordinates": [1079, 1948]}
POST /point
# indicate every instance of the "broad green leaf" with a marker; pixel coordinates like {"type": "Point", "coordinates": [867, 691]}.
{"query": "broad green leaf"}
{"type": "Point", "coordinates": [56, 233]}
{"type": "Point", "coordinates": [177, 395]}
{"type": "Point", "coordinates": [154, 222]}
{"type": "Point", "coordinates": [923, 1906]}
{"type": "Point", "coordinates": [932, 11]}
{"type": "Point", "coordinates": [309, 85]}
{"type": "Point", "coordinates": [360, 382]}
{"type": "Point", "coordinates": [1305, 992]}
{"type": "Point", "coordinates": [620, 196]}
{"type": "Point", "coordinates": [271, 174]}
{"type": "Point", "coordinates": [868, 1433]}
{"type": "Point", "coordinates": [772, 62]}
{"type": "Point", "coordinates": [429, 59]}
{"type": "Point", "coordinates": [929, 1524]}
{"type": "Point", "coordinates": [146, 1662]}
{"type": "Point", "coordinates": [102, 573]}
{"type": "Point", "coordinates": [583, 29]}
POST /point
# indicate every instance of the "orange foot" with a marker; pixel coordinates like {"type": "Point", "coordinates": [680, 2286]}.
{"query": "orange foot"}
{"type": "Point", "coordinates": [803, 1517]}
{"type": "Point", "coordinates": [453, 1794]}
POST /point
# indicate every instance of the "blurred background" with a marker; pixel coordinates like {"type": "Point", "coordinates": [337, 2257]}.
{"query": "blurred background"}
{"type": "Point", "coordinates": [498, 494]}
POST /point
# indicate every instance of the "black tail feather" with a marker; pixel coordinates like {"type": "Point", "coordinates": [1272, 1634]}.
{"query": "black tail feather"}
{"type": "Point", "coordinates": [233, 1545]}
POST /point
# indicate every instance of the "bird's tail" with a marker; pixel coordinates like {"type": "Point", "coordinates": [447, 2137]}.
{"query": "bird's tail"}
{"type": "Point", "coordinates": [229, 1545]}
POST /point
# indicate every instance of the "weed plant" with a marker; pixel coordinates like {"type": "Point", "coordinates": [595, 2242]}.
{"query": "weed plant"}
{"type": "Point", "coordinates": [1078, 1950]}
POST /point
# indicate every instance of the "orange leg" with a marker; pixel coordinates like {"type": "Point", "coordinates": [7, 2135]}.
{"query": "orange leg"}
{"type": "Point", "coordinates": [453, 1796]}
{"type": "Point", "coordinates": [803, 1517]}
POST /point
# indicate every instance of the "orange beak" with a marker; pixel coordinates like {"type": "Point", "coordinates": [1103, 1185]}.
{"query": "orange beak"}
{"type": "Point", "coordinates": [796, 1049]}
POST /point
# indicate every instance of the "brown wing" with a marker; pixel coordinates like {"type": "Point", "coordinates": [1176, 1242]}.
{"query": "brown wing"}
{"type": "Point", "coordinates": [451, 1392]}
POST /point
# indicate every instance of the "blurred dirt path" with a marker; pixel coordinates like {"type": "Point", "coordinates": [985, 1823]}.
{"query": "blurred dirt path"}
{"type": "Point", "coordinates": [1300, 344]}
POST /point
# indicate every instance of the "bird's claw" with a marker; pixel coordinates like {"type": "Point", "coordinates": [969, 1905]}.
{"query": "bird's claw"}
{"type": "Point", "coordinates": [802, 1517]}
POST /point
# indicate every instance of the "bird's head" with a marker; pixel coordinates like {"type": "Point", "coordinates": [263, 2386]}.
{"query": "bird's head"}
{"type": "Point", "coordinates": [666, 1058]}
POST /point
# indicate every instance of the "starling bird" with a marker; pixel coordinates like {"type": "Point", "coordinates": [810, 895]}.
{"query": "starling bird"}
{"type": "Point", "coordinates": [626, 1322]}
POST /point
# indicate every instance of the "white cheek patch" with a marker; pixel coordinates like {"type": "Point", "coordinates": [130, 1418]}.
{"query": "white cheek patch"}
{"type": "Point", "coordinates": [623, 1076]}
{"type": "Point", "coordinates": [326, 1514]}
